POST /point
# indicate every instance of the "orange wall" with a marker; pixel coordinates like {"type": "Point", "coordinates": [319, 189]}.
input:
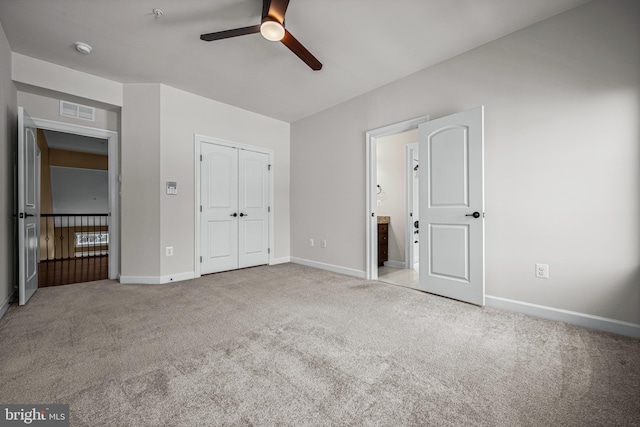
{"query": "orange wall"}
{"type": "Point", "coordinates": [74, 159]}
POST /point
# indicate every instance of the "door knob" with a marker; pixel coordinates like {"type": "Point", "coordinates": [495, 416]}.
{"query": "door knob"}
{"type": "Point", "coordinates": [234, 215]}
{"type": "Point", "coordinates": [243, 214]}
{"type": "Point", "coordinates": [475, 215]}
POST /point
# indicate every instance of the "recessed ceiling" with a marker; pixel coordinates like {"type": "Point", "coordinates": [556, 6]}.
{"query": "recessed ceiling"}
{"type": "Point", "coordinates": [363, 44]}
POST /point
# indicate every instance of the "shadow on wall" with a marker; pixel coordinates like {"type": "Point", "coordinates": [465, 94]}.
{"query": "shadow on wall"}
{"type": "Point", "coordinates": [12, 196]}
{"type": "Point", "coordinates": [624, 293]}
{"type": "Point", "coordinates": [393, 237]}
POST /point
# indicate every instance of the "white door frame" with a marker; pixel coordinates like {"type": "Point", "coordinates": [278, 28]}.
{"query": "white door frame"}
{"type": "Point", "coordinates": [410, 150]}
{"type": "Point", "coordinates": [197, 140]}
{"type": "Point", "coordinates": [113, 177]}
{"type": "Point", "coordinates": [371, 138]}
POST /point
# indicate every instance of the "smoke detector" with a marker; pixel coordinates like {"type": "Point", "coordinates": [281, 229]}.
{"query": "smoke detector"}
{"type": "Point", "coordinates": [83, 48]}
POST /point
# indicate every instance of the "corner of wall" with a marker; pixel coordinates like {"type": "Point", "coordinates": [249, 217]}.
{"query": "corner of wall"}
{"type": "Point", "coordinates": [8, 122]}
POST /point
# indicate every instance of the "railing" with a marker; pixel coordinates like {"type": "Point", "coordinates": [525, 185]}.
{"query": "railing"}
{"type": "Point", "coordinates": [70, 236]}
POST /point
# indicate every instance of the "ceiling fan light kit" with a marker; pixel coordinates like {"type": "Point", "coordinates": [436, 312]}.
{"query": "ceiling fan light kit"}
{"type": "Point", "coordinates": [272, 28]}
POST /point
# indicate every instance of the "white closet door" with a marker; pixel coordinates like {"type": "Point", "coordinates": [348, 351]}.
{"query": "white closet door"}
{"type": "Point", "coordinates": [219, 217]}
{"type": "Point", "coordinates": [253, 232]}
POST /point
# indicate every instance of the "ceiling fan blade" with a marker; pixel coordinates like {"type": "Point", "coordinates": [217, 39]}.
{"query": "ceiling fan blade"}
{"type": "Point", "coordinates": [296, 47]}
{"type": "Point", "coordinates": [275, 9]}
{"type": "Point", "coordinates": [230, 33]}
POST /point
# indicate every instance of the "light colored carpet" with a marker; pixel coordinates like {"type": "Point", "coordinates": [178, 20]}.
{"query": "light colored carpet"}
{"type": "Point", "coordinates": [292, 345]}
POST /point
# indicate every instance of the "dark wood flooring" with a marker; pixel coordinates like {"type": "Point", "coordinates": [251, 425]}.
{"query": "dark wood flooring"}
{"type": "Point", "coordinates": [77, 270]}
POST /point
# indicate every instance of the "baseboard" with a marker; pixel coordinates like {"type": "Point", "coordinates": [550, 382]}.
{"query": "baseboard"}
{"type": "Point", "coordinates": [330, 267]}
{"type": "Point", "coordinates": [395, 264]}
{"type": "Point", "coordinates": [156, 280]}
{"type": "Point", "coordinates": [5, 305]}
{"type": "Point", "coordinates": [283, 260]}
{"type": "Point", "coordinates": [572, 317]}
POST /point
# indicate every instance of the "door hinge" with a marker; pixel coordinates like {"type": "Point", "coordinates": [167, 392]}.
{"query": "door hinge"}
{"type": "Point", "coordinates": [269, 209]}
{"type": "Point", "coordinates": [268, 167]}
{"type": "Point", "coordinates": [200, 208]}
{"type": "Point", "coordinates": [268, 250]}
{"type": "Point", "coordinates": [200, 157]}
{"type": "Point", "coordinates": [200, 259]}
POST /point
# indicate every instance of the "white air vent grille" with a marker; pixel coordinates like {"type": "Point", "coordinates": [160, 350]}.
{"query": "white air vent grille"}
{"type": "Point", "coordinates": [70, 109]}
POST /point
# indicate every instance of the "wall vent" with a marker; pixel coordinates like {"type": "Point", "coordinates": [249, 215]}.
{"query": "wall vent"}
{"type": "Point", "coordinates": [70, 109]}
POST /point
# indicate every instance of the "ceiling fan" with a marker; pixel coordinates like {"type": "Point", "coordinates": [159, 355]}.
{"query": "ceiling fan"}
{"type": "Point", "coordinates": [272, 28]}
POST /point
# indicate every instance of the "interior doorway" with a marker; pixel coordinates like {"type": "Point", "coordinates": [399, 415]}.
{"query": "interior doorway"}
{"type": "Point", "coordinates": [451, 191]}
{"type": "Point", "coordinates": [397, 157]}
{"type": "Point", "coordinates": [387, 201]}
{"type": "Point", "coordinates": [74, 208]}
{"type": "Point", "coordinates": [79, 219]}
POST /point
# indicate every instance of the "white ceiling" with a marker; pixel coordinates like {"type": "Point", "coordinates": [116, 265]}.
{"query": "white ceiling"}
{"type": "Point", "coordinates": [71, 142]}
{"type": "Point", "coordinates": [363, 44]}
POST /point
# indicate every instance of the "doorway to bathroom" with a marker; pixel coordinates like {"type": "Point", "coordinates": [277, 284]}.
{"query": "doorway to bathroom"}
{"type": "Point", "coordinates": [397, 168]}
{"type": "Point", "coordinates": [451, 218]}
{"type": "Point", "coordinates": [392, 155]}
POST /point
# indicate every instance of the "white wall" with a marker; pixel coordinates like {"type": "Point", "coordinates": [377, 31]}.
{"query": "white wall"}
{"type": "Point", "coordinates": [141, 189]}
{"type": "Point", "coordinates": [158, 128]}
{"type": "Point", "coordinates": [184, 114]}
{"type": "Point", "coordinates": [75, 190]}
{"type": "Point", "coordinates": [562, 148]}
{"type": "Point", "coordinates": [392, 176]}
{"type": "Point", "coordinates": [45, 75]}
{"type": "Point", "coordinates": [8, 132]}
{"type": "Point", "coordinates": [48, 107]}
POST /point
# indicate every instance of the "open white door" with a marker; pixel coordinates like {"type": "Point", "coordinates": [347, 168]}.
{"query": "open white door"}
{"type": "Point", "coordinates": [452, 206]}
{"type": "Point", "coordinates": [28, 207]}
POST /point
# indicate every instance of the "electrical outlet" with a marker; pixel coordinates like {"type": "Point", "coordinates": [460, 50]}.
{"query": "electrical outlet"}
{"type": "Point", "coordinates": [542, 271]}
{"type": "Point", "coordinates": [311, 242]}
{"type": "Point", "coordinates": [169, 250]}
{"type": "Point", "coordinates": [323, 243]}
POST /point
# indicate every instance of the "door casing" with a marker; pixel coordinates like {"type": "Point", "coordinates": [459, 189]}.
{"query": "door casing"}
{"type": "Point", "coordinates": [114, 182]}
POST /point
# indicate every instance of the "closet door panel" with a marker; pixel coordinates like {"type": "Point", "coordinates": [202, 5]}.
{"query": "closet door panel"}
{"type": "Point", "coordinates": [253, 233]}
{"type": "Point", "coordinates": [219, 199]}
